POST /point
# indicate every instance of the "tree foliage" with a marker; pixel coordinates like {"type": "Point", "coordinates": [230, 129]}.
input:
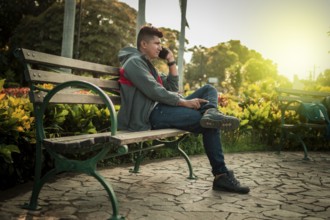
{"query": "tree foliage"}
{"type": "Point", "coordinates": [106, 26]}
{"type": "Point", "coordinates": [231, 62]}
{"type": "Point", "coordinates": [11, 13]}
{"type": "Point", "coordinates": [324, 78]}
{"type": "Point", "coordinates": [258, 69]}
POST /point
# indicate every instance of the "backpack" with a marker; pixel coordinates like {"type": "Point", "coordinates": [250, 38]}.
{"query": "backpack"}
{"type": "Point", "coordinates": [315, 113]}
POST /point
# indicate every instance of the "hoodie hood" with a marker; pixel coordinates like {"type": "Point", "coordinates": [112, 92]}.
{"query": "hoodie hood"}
{"type": "Point", "coordinates": [126, 53]}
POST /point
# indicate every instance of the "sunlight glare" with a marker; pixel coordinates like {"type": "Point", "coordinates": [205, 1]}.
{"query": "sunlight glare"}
{"type": "Point", "coordinates": [297, 57]}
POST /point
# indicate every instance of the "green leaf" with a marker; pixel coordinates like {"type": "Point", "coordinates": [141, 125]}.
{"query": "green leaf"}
{"type": "Point", "coordinates": [63, 113]}
{"type": "Point", "coordinates": [244, 122]}
{"type": "Point", "coordinates": [2, 82]}
{"type": "Point", "coordinates": [6, 150]}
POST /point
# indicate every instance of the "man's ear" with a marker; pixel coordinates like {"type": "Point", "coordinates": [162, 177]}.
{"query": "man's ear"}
{"type": "Point", "coordinates": [143, 44]}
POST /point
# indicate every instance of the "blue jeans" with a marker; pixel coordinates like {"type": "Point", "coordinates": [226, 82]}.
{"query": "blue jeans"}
{"type": "Point", "coordinates": [165, 116]}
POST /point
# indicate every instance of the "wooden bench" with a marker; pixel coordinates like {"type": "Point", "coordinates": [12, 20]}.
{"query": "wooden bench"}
{"type": "Point", "coordinates": [45, 68]}
{"type": "Point", "coordinates": [291, 123]}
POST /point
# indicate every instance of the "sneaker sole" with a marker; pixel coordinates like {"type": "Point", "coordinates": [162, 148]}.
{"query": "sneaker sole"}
{"type": "Point", "coordinates": [224, 125]}
{"type": "Point", "coordinates": [231, 190]}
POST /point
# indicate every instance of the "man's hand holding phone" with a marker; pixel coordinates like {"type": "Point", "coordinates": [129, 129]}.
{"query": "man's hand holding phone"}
{"type": "Point", "coordinates": [166, 54]}
{"type": "Point", "coordinates": [163, 53]}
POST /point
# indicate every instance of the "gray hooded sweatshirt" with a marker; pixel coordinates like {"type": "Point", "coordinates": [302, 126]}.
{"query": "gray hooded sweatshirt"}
{"type": "Point", "coordinates": [141, 89]}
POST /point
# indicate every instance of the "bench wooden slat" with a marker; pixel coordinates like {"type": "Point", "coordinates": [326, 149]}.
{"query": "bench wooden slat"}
{"type": "Point", "coordinates": [41, 76]}
{"type": "Point", "coordinates": [300, 98]}
{"type": "Point", "coordinates": [64, 62]}
{"type": "Point", "coordinates": [304, 125]}
{"type": "Point", "coordinates": [140, 136]}
{"type": "Point", "coordinates": [302, 92]}
{"type": "Point", "coordinates": [85, 142]}
{"type": "Point", "coordinates": [78, 143]}
{"type": "Point", "coordinates": [71, 98]}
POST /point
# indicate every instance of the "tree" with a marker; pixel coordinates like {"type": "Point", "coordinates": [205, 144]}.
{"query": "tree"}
{"type": "Point", "coordinates": [244, 54]}
{"type": "Point", "coordinates": [220, 57]}
{"type": "Point", "coordinates": [106, 27]}
{"type": "Point", "coordinates": [234, 78]}
{"type": "Point", "coordinates": [12, 11]}
{"type": "Point", "coordinates": [324, 78]}
{"type": "Point", "coordinates": [11, 14]}
{"type": "Point", "coordinates": [195, 69]}
{"type": "Point", "coordinates": [258, 69]}
{"type": "Point", "coordinates": [230, 62]}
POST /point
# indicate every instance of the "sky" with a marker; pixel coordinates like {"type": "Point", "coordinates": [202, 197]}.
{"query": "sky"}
{"type": "Point", "coordinates": [291, 33]}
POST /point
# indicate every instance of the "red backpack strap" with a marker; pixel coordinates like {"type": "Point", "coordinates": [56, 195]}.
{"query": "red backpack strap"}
{"type": "Point", "coordinates": [123, 79]}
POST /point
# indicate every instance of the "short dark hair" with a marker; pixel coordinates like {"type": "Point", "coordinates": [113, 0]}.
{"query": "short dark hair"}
{"type": "Point", "coordinates": [146, 33]}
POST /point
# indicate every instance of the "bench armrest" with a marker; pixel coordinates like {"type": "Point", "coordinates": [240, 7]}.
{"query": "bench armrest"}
{"type": "Point", "coordinates": [77, 83]}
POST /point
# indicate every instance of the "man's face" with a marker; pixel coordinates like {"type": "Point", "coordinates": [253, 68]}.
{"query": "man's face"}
{"type": "Point", "coordinates": [152, 47]}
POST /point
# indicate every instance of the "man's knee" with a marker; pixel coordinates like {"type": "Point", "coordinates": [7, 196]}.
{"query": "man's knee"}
{"type": "Point", "coordinates": [209, 86]}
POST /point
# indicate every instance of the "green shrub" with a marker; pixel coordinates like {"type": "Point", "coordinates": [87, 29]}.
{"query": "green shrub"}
{"type": "Point", "coordinates": [17, 136]}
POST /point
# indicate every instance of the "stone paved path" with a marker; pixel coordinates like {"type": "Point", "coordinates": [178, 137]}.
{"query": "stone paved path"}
{"type": "Point", "coordinates": [282, 187]}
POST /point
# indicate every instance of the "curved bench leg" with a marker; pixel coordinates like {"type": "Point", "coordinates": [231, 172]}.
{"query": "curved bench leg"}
{"type": "Point", "coordinates": [191, 176]}
{"type": "Point", "coordinates": [282, 136]}
{"type": "Point", "coordinates": [137, 163]}
{"type": "Point", "coordinates": [112, 196]}
{"type": "Point", "coordinates": [38, 180]}
{"type": "Point", "coordinates": [304, 146]}
{"type": "Point", "coordinates": [37, 186]}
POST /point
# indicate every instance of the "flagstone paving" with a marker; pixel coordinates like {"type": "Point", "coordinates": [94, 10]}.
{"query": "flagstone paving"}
{"type": "Point", "coordinates": [282, 187]}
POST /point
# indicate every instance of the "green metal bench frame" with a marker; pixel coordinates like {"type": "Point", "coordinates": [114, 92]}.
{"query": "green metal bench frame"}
{"type": "Point", "coordinates": [290, 100]}
{"type": "Point", "coordinates": [47, 68]}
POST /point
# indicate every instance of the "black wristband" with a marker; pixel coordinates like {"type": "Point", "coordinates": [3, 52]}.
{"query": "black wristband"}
{"type": "Point", "coordinates": [171, 63]}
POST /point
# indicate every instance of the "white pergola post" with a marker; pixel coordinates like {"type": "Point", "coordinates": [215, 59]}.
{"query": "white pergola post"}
{"type": "Point", "coordinates": [68, 28]}
{"type": "Point", "coordinates": [184, 23]}
{"type": "Point", "coordinates": [141, 16]}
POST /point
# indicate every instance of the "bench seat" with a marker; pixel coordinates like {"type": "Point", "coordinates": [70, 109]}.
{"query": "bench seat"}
{"type": "Point", "coordinates": [91, 142]}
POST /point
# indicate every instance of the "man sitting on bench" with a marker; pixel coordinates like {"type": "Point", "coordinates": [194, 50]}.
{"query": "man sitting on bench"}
{"type": "Point", "coordinates": [151, 101]}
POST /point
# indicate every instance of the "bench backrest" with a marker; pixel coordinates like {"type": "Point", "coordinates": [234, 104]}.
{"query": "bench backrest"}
{"type": "Point", "coordinates": [302, 95]}
{"type": "Point", "coordinates": [293, 95]}
{"type": "Point", "coordinates": [52, 69]}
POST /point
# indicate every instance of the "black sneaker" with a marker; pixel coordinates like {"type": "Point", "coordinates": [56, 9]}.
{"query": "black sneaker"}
{"type": "Point", "coordinates": [228, 182]}
{"type": "Point", "coordinates": [212, 118]}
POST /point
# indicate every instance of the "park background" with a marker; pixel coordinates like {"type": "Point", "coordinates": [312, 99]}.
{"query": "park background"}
{"type": "Point", "coordinates": [245, 77]}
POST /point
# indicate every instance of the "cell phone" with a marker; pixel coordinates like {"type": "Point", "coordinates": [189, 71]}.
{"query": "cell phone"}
{"type": "Point", "coordinates": [163, 53]}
